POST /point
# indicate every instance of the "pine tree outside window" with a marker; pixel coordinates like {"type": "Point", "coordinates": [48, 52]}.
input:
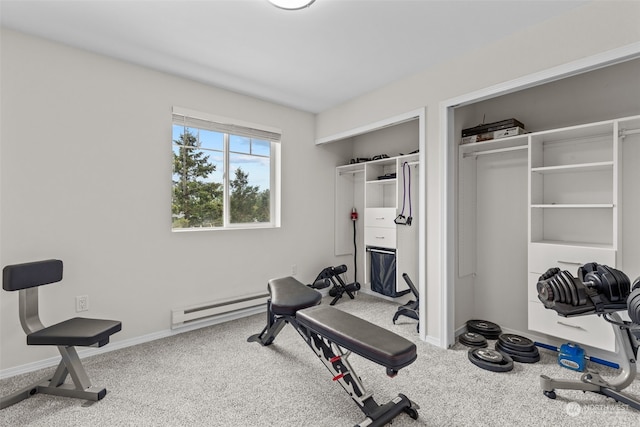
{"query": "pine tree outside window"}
{"type": "Point", "coordinates": [225, 173]}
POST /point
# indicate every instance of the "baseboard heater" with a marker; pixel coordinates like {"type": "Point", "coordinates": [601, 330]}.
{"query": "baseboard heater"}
{"type": "Point", "coordinates": [211, 310]}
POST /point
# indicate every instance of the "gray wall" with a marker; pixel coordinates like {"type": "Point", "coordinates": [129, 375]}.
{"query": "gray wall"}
{"type": "Point", "coordinates": [86, 177]}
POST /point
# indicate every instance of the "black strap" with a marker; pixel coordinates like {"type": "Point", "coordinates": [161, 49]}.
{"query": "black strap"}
{"type": "Point", "coordinates": [406, 190]}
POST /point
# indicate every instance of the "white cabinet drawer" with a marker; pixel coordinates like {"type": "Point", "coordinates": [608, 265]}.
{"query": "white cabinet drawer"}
{"type": "Point", "coordinates": [380, 217]}
{"type": "Point", "coordinates": [380, 236]}
{"type": "Point", "coordinates": [532, 290]}
{"type": "Point", "coordinates": [589, 330]}
{"type": "Point", "coordinates": [544, 256]}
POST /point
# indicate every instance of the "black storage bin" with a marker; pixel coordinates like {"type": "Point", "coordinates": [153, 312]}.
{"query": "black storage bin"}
{"type": "Point", "coordinates": [383, 271]}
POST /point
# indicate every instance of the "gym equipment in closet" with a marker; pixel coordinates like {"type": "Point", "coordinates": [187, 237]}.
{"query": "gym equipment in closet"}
{"type": "Point", "coordinates": [383, 191]}
{"type": "Point", "coordinates": [554, 198]}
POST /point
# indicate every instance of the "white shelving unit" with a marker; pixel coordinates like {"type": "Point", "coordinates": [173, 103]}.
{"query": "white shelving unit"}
{"type": "Point", "coordinates": [573, 218]}
{"type": "Point", "coordinates": [378, 199]}
{"type": "Point", "coordinates": [574, 211]}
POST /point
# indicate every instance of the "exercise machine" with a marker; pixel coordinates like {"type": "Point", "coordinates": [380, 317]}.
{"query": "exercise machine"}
{"type": "Point", "coordinates": [334, 335]}
{"type": "Point", "coordinates": [603, 291]}
{"type": "Point", "coordinates": [412, 308]}
{"type": "Point", "coordinates": [79, 331]}
{"type": "Point", "coordinates": [332, 275]}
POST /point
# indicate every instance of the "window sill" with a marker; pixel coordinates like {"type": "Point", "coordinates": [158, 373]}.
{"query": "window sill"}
{"type": "Point", "coordinates": [235, 227]}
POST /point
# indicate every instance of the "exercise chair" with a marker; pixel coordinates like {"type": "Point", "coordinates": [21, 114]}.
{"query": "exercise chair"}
{"type": "Point", "coordinates": [26, 278]}
{"type": "Point", "coordinates": [412, 308]}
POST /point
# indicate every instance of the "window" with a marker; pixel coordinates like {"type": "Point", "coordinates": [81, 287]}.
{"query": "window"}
{"type": "Point", "coordinates": [225, 173]}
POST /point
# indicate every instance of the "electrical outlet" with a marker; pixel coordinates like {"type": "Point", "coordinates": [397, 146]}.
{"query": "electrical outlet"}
{"type": "Point", "coordinates": [82, 303]}
{"type": "Point", "coordinates": [294, 269]}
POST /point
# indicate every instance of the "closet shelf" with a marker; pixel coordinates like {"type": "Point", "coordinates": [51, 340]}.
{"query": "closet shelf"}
{"type": "Point", "coordinates": [383, 181]}
{"type": "Point", "coordinates": [573, 206]}
{"type": "Point", "coordinates": [577, 245]}
{"type": "Point", "coordinates": [581, 167]}
{"type": "Point", "coordinates": [495, 151]}
{"type": "Point", "coordinates": [518, 142]}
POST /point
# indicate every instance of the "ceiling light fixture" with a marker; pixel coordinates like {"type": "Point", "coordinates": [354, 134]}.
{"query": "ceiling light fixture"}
{"type": "Point", "coordinates": [291, 4]}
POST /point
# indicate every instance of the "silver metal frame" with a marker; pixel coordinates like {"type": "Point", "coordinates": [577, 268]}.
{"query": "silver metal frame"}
{"type": "Point", "coordinates": [592, 381]}
{"type": "Point", "coordinates": [335, 359]}
{"type": "Point", "coordinates": [70, 363]}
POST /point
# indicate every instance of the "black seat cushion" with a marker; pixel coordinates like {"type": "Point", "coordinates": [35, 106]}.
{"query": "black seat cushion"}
{"type": "Point", "coordinates": [78, 331]}
{"type": "Point", "coordinates": [361, 337]}
{"type": "Point", "coordinates": [289, 295]}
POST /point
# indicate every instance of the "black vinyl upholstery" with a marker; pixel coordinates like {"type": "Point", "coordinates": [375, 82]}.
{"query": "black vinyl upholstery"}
{"type": "Point", "coordinates": [66, 335]}
{"type": "Point", "coordinates": [289, 295]}
{"type": "Point", "coordinates": [78, 331]}
{"type": "Point", "coordinates": [361, 337]}
{"type": "Point", "coordinates": [31, 274]}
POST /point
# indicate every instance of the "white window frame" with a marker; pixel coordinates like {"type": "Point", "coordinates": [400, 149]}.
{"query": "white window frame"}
{"type": "Point", "coordinates": [242, 128]}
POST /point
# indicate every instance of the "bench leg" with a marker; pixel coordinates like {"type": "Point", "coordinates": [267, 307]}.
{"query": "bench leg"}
{"type": "Point", "coordinates": [335, 359]}
{"type": "Point", "coordinates": [271, 331]}
{"type": "Point", "coordinates": [22, 394]}
{"type": "Point", "coordinates": [55, 385]}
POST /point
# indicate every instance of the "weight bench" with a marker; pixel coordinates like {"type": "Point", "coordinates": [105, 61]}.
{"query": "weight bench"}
{"type": "Point", "coordinates": [333, 335]}
{"type": "Point", "coordinates": [26, 278]}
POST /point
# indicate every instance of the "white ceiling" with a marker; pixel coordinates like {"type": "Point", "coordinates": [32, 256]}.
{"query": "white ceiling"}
{"type": "Point", "coordinates": [311, 59]}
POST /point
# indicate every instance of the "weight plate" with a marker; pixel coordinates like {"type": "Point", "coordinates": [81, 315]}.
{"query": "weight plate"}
{"type": "Point", "coordinates": [511, 352]}
{"type": "Point", "coordinates": [487, 335]}
{"type": "Point", "coordinates": [524, 359]}
{"type": "Point", "coordinates": [483, 325]}
{"type": "Point", "coordinates": [516, 342]}
{"type": "Point", "coordinates": [505, 365]}
{"type": "Point", "coordinates": [489, 355]}
{"type": "Point", "coordinates": [485, 328]}
{"type": "Point", "coordinates": [564, 292]}
{"type": "Point", "coordinates": [573, 297]}
{"type": "Point", "coordinates": [484, 345]}
{"type": "Point", "coordinates": [556, 290]}
{"type": "Point", "coordinates": [471, 339]}
{"type": "Point", "coordinates": [544, 291]}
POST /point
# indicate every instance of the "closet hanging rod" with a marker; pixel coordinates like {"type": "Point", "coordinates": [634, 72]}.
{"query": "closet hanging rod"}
{"type": "Point", "coordinates": [626, 132]}
{"type": "Point", "coordinates": [497, 150]}
{"type": "Point", "coordinates": [350, 172]}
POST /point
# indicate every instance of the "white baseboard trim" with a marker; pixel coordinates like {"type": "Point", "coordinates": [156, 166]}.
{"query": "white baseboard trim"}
{"type": "Point", "coordinates": [432, 340]}
{"type": "Point", "coordinates": [84, 352]}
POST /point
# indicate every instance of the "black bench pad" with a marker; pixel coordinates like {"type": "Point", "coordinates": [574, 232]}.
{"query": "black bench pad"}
{"type": "Point", "coordinates": [361, 337]}
{"type": "Point", "coordinates": [78, 331]}
{"type": "Point", "coordinates": [289, 295]}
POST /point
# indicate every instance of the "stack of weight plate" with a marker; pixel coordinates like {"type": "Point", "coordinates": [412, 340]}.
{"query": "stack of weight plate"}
{"type": "Point", "coordinates": [471, 339]}
{"type": "Point", "coordinates": [491, 360]}
{"type": "Point", "coordinates": [487, 329]}
{"type": "Point", "coordinates": [519, 348]}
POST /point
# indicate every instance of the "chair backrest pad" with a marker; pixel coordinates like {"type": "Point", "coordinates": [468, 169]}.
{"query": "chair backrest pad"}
{"type": "Point", "coordinates": [31, 274]}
